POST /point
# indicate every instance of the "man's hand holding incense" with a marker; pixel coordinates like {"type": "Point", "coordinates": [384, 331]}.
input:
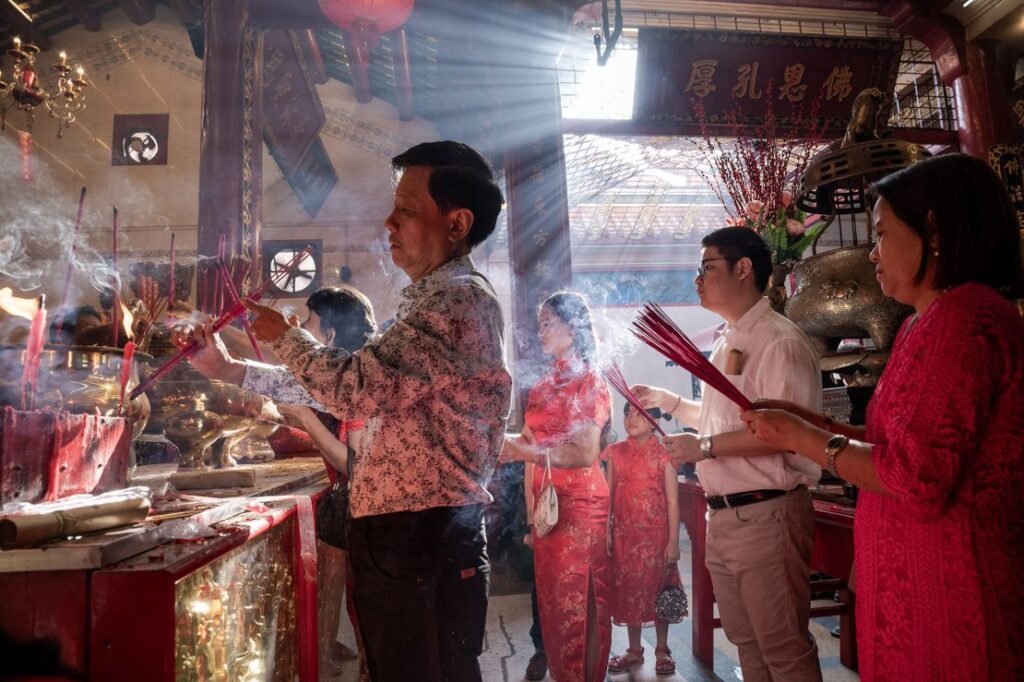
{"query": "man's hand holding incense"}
{"type": "Point", "coordinates": [268, 324]}
{"type": "Point", "coordinates": [683, 447]}
{"type": "Point", "coordinates": [212, 359]}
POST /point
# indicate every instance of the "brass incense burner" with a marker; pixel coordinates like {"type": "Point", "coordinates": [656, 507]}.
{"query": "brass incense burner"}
{"type": "Point", "coordinates": [212, 424]}
{"type": "Point", "coordinates": [76, 379]}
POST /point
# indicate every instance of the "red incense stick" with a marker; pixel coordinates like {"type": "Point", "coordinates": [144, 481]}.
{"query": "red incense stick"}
{"type": "Point", "coordinates": [117, 294]}
{"type": "Point", "coordinates": [221, 322]}
{"type": "Point", "coordinates": [655, 328]}
{"type": "Point", "coordinates": [613, 375]}
{"type": "Point", "coordinates": [71, 264]}
{"type": "Point", "coordinates": [235, 300]}
{"type": "Point", "coordinates": [170, 277]}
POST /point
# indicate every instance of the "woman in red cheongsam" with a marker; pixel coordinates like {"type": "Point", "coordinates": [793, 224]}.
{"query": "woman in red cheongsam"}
{"type": "Point", "coordinates": [565, 414]}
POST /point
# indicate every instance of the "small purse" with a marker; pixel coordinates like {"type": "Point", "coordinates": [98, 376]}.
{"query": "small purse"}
{"type": "Point", "coordinates": [545, 508]}
{"type": "Point", "coordinates": [671, 606]}
{"type": "Point", "coordinates": [331, 513]}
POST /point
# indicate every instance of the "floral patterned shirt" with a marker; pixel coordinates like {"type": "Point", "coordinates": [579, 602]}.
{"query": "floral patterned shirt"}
{"type": "Point", "coordinates": [434, 391]}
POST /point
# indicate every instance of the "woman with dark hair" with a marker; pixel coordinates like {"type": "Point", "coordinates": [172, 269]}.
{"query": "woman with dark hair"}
{"type": "Point", "coordinates": [940, 519]}
{"type": "Point", "coordinates": [565, 414]}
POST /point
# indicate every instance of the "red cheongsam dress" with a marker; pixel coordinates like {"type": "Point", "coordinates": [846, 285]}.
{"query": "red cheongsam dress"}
{"type": "Point", "coordinates": [573, 557]}
{"type": "Point", "coordinates": [639, 530]}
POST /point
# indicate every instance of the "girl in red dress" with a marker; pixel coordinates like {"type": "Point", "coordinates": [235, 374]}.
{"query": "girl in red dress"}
{"type": "Point", "coordinates": [565, 414]}
{"type": "Point", "coordinates": [644, 537]}
{"type": "Point", "coordinates": [939, 536]}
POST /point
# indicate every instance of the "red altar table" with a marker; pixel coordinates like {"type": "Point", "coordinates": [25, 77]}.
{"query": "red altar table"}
{"type": "Point", "coordinates": [127, 607]}
{"type": "Point", "coordinates": [832, 555]}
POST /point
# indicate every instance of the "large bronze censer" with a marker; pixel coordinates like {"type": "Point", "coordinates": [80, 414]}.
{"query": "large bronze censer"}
{"type": "Point", "coordinates": [837, 295]}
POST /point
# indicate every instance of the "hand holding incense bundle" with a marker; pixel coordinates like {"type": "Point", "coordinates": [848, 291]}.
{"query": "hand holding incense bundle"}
{"type": "Point", "coordinates": [223, 321]}
{"type": "Point", "coordinates": [613, 375]}
{"type": "Point", "coordinates": [654, 327]}
{"type": "Point", "coordinates": [235, 300]}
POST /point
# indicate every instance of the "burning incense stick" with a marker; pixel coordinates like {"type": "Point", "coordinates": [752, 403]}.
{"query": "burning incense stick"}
{"type": "Point", "coordinates": [33, 354]}
{"type": "Point", "coordinates": [221, 322]}
{"type": "Point", "coordinates": [71, 264]}
{"type": "Point", "coordinates": [655, 328]}
{"type": "Point", "coordinates": [613, 375]}
{"type": "Point", "coordinates": [117, 293]}
{"type": "Point", "coordinates": [235, 300]}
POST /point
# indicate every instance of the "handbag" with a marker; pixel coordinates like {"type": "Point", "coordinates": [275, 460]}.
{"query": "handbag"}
{"type": "Point", "coordinates": [545, 507]}
{"type": "Point", "coordinates": [671, 606]}
{"type": "Point", "coordinates": [331, 514]}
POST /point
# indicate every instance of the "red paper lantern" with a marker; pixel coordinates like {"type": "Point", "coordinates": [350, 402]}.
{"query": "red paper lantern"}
{"type": "Point", "coordinates": [367, 19]}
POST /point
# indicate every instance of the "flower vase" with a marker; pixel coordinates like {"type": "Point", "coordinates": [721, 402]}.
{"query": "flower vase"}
{"type": "Point", "coordinates": [777, 291]}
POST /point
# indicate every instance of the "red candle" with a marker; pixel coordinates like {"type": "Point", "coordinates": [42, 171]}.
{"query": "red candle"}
{"type": "Point", "coordinates": [33, 353]}
{"type": "Point", "coordinates": [126, 371]}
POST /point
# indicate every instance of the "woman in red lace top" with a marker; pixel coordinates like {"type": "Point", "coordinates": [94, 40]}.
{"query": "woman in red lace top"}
{"type": "Point", "coordinates": [940, 520]}
{"type": "Point", "coordinates": [565, 413]}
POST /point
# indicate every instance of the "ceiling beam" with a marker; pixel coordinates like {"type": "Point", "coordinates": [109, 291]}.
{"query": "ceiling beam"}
{"type": "Point", "coordinates": [139, 11]}
{"type": "Point", "coordinates": [21, 24]}
{"type": "Point", "coordinates": [86, 17]}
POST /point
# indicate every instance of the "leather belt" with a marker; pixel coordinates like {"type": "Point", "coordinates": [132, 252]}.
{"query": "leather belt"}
{"type": "Point", "coordinates": [717, 502]}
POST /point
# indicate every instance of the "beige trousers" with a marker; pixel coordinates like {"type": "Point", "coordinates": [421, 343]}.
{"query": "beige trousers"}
{"type": "Point", "coordinates": [758, 558]}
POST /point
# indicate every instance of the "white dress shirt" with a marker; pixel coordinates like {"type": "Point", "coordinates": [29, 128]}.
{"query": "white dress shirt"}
{"type": "Point", "coordinates": [778, 362]}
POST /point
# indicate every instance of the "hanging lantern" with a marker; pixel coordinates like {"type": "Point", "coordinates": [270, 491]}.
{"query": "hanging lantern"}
{"type": "Point", "coordinates": [365, 21]}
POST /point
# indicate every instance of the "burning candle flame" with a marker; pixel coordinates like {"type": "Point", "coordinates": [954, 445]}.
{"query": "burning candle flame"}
{"type": "Point", "coordinates": [127, 321]}
{"type": "Point", "coordinates": [18, 306]}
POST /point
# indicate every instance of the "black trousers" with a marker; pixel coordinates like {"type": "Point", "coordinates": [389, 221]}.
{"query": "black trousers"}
{"type": "Point", "coordinates": [420, 589]}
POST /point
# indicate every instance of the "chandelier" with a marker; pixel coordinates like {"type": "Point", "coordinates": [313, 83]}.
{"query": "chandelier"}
{"type": "Point", "coordinates": [25, 92]}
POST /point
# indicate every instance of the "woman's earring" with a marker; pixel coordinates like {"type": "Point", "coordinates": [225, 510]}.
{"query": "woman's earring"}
{"type": "Point", "coordinates": [935, 253]}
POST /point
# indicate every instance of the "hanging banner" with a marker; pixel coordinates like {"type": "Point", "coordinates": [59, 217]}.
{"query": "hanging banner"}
{"type": "Point", "coordinates": [733, 72]}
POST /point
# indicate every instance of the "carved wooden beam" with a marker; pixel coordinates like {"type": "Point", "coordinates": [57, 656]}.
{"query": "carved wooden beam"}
{"type": "Point", "coordinates": [139, 11]}
{"type": "Point", "coordinates": [21, 24]}
{"type": "Point", "coordinates": [86, 17]}
{"type": "Point", "coordinates": [942, 34]}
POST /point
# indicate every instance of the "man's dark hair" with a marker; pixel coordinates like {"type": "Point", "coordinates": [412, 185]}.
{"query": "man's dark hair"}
{"type": "Point", "coordinates": [960, 200]}
{"type": "Point", "coordinates": [653, 411]}
{"type": "Point", "coordinates": [735, 243]}
{"type": "Point", "coordinates": [460, 178]}
{"type": "Point", "coordinates": [348, 312]}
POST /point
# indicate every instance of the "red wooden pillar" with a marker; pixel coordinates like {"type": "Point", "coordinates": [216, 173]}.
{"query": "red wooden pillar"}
{"type": "Point", "coordinates": [231, 144]}
{"type": "Point", "coordinates": [538, 208]}
{"type": "Point", "coordinates": [981, 103]}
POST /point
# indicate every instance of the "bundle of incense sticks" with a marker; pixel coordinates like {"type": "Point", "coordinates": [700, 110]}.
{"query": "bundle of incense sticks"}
{"type": "Point", "coordinates": [223, 321]}
{"type": "Point", "coordinates": [235, 300]}
{"type": "Point", "coordinates": [613, 375]}
{"type": "Point", "coordinates": [116, 311]}
{"type": "Point", "coordinates": [654, 327]}
{"type": "Point", "coordinates": [149, 293]}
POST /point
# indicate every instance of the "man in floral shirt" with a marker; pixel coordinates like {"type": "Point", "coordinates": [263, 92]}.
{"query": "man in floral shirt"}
{"type": "Point", "coordinates": [435, 394]}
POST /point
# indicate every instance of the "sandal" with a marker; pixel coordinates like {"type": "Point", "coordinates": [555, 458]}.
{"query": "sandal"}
{"type": "Point", "coordinates": [630, 659]}
{"type": "Point", "coordinates": [665, 664]}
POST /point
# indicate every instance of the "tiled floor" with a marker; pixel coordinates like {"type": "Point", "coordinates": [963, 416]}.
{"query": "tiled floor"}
{"type": "Point", "coordinates": [507, 646]}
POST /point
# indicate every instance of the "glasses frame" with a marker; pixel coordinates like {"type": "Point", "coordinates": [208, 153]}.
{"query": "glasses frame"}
{"type": "Point", "coordinates": [702, 270]}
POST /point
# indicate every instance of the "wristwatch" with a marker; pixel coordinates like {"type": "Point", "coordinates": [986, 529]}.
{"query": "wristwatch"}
{"type": "Point", "coordinates": [833, 447]}
{"type": "Point", "coordinates": [705, 447]}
